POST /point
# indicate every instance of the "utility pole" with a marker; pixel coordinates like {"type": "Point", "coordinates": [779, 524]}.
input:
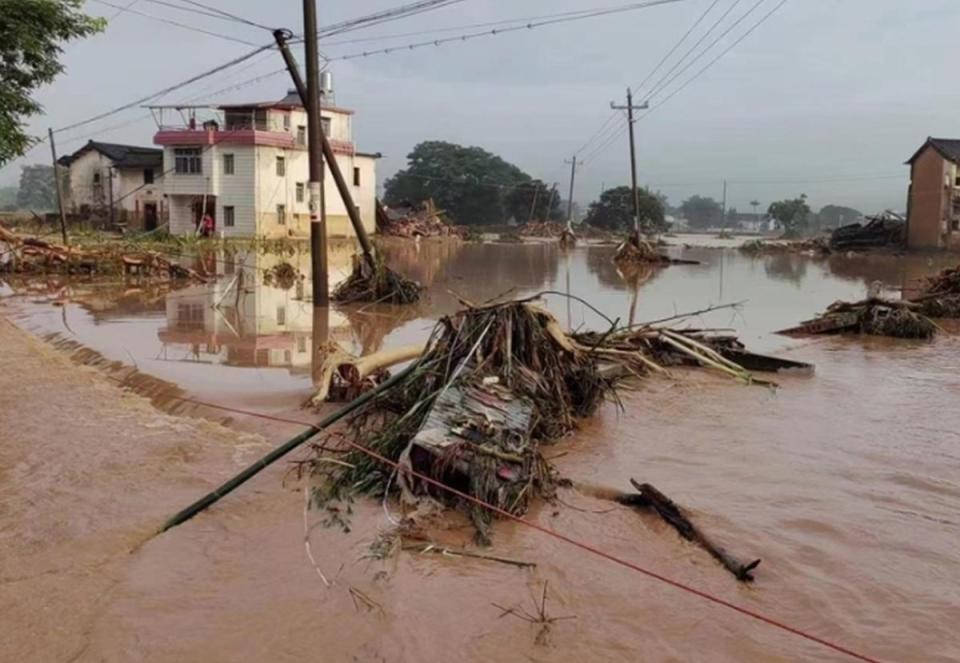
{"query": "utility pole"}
{"type": "Point", "coordinates": [318, 230]}
{"type": "Point", "coordinates": [533, 206]}
{"type": "Point", "coordinates": [353, 213]}
{"type": "Point", "coordinates": [723, 215]}
{"type": "Point", "coordinates": [56, 178]}
{"type": "Point", "coordinates": [113, 216]}
{"type": "Point", "coordinates": [633, 159]}
{"type": "Point", "coordinates": [573, 174]}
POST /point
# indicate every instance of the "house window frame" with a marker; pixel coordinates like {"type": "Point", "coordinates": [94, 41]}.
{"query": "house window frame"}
{"type": "Point", "coordinates": [286, 121]}
{"type": "Point", "coordinates": [300, 192]}
{"type": "Point", "coordinates": [148, 176]}
{"type": "Point", "coordinates": [229, 164]}
{"type": "Point", "coordinates": [301, 135]}
{"type": "Point", "coordinates": [281, 166]}
{"type": "Point", "coordinates": [187, 161]}
{"type": "Point", "coordinates": [281, 215]}
{"type": "Point", "coordinates": [356, 176]}
{"type": "Point", "coordinates": [229, 216]}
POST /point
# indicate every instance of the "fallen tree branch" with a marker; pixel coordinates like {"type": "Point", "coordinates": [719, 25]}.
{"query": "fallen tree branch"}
{"type": "Point", "coordinates": [649, 497]}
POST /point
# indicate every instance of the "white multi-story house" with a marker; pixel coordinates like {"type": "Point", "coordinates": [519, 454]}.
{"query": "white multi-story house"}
{"type": "Point", "coordinates": [247, 166]}
{"type": "Point", "coordinates": [122, 178]}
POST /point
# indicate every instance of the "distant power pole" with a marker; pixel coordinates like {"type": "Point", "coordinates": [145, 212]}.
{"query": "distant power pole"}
{"type": "Point", "coordinates": [723, 215]}
{"type": "Point", "coordinates": [318, 230]}
{"type": "Point", "coordinates": [573, 174]}
{"type": "Point", "coordinates": [56, 178]}
{"type": "Point", "coordinates": [633, 159]}
{"type": "Point", "coordinates": [533, 206]}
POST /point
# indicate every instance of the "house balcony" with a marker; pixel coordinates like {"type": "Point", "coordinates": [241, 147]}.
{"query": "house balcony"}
{"type": "Point", "coordinates": [238, 135]}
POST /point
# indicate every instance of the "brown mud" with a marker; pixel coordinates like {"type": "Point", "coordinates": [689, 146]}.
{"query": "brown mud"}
{"type": "Point", "coordinates": [843, 482]}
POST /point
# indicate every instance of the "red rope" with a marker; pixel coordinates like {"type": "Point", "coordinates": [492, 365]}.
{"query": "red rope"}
{"type": "Point", "coordinates": [579, 544]}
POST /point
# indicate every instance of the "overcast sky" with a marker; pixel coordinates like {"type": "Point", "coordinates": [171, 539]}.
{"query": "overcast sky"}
{"type": "Point", "coordinates": [827, 97]}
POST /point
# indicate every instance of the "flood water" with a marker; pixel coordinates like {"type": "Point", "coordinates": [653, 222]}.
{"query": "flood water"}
{"type": "Point", "coordinates": [844, 482]}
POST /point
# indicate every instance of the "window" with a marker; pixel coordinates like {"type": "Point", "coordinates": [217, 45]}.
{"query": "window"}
{"type": "Point", "coordinates": [325, 125]}
{"type": "Point", "coordinates": [286, 121]}
{"type": "Point", "coordinates": [301, 135]}
{"type": "Point", "coordinates": [148, 175]}
{"type": "Point", "coordinates": [957, 181]}
{"type": "Point", "coordinates": [299, 192]}
{"type": "Point", "coordinates": [228, 216]}
{"type": "Point", "coordinates": [281, 315]}
{"type": "Point", "coordinates": [301, 344]}
{"type": "Point", "coordinates": [356, 176]}
{"type": "Point", "coordinates": [96, 177]}
{"type": "Point", "coordinates": [287, 357]}
{"type": "Point", "coordinates": [282, 215]}
{"type": "Point", "coordinates": [228, 164]}
{"type": "Point", "coordinates": [281, 167]}
{"type": "Point", "coordinates": [186, 161]}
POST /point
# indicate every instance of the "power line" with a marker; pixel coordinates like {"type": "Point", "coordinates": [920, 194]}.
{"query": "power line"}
{"type": "Point", "coordinates": [722, 53]}
{"type": "Point", "coordinates": [184, 26]}
{"type": "Point", "coordinates": [384, 16]}
{"type": "Point", "coordinates": [171, 88]}
{"type": "Point", "coordinates": [659, 84]}
{"type": "Point", "coordinates": [227, 14]}
{"type": "Point", "coordinates": [494, 32]}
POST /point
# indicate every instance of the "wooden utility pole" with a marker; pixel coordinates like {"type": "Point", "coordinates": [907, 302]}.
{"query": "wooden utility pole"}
{"type": "Point", "coordinates": [533, 206]}
{"type": "Point", "coordinates": [113, 216]}
{"type": "Point", "coordinates": [281, 37]}
{"type": "Point", "coordinates": [573, 174]}
{"type": "Point", "coordinates": [318, 230]}
{"type": "Point", "coordinates": [59, 184]}
{"type": "Point", "coordinates": [633, 160]}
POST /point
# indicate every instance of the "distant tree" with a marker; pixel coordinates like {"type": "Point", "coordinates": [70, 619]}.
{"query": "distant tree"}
{"type": "Point", "coordinates": [520, 201]}
{"type": "Point", "coordinates": [701, 212]}
{"type": "Point", "coordinates": [37, 188]}
{"type": "Point", "coordinates": [614, 210]}
{"type": "Point", "coordinates": [793, 215]}
{"type": "Point", "coordinates": [32, 33]}
{"type": "Point", "coordinates": [8, 198]}
{"type": "Point", "coordinates": [834, 216]}
{"type": "Point", "coordinates": [469, 183]}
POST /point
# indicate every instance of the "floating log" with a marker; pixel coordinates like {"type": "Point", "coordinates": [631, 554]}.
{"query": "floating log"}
{"type": "Point", "coordinates": [649, 497]}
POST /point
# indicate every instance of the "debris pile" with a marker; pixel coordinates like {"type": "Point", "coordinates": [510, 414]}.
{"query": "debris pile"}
{"type": "Point", "coordinates": [548, 229]}
{"type": "Point", "coordinates": [815, 246]}
{"type": "Point", "coordinates": [24, 254]}
{"type": "Point", "coordinates": [887, 229]}
{"type": "Point", "coordinates": [632, 251]}
{"type": "Point", "coordinates": [376, 283]}
{"type": "Point", "coordinates": [941, 298]}
{"type": "Point", "coordinates": [414, 220]}
{"type": "Point", "coordinates": [568, 239]}
{"type": "Point", "coordinates": [873, 316]}
{"type": "Point", "coordinates": [492, 385]}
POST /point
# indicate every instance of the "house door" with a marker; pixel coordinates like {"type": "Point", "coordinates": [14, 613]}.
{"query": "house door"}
{"type": "Point", "coordinates": [149, 216]}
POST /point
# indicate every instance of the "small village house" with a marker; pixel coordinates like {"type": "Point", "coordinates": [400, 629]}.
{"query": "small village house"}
{"type": "Point", "coordinates": [247, 166]}
{"type": "Point", "coordinates": [933, 202]}
{"type": "Point", "coordinates": [115, 184]}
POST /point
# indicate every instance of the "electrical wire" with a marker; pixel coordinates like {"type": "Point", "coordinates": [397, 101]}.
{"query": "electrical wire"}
{"type": "Point", "coordinates": [227, 14]}
{"type": "Point", "coordinates": [377, 18]}
{"type": "Point", "coordinates": [171, 88]}
{"type": "Point", "coordinates": [184, 26]}
{"type": "Point", "coordinates": [495, 31]}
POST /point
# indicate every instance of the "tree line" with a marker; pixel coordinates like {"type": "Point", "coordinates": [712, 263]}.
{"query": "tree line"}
{"type": "Point", "coordinates": [477, 188]}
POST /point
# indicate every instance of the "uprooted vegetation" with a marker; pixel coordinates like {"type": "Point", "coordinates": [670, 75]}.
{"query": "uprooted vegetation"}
{"type": "Point", "coordinates": [33, 255]}
{"type": "Point", "coordinates": [493, 386]}
{"type": "Point", "coordinates": [632, 250]}
{"type": "Point", "coordinates": [874, 317]}
{"type": "Point", "coordinates": [373, 281]}
{"type": "Point", "coordinates": [818, 246]}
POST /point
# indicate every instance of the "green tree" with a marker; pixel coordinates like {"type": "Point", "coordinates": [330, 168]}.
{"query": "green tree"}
{"type": "Point", "coordinates": [834, 216]}
{"type": "Point", "coordinates": [793, 215]}
{"type": "Point", "coordinates": [31, 36]}
{"type": "Point", "coordinates": [469, 183]}
{"type": "Point", "coordinates": [38, 190]}
{"type": "Point", "coordinates": [701, 212]}
{"type": "Point", "coordinates": [614, 210]}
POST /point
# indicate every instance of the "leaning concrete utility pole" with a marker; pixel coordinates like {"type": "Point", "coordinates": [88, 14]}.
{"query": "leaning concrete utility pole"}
{"type": "Point", "coordinates": [281, 37]}
{"type": "Point", "coordinates": [573, 174]}
{"type": "Point", "coordinates": [59, 184]}
{"type": "Point", "coordinates": [318, 229]}
{"type": "Point", "coordinates": [633, 159]}
{"type": "Point", "coordinates": [723, 212]}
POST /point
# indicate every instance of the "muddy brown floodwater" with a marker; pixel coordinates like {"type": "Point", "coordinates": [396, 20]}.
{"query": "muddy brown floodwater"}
{"type": "Point", "coordinates": [844, 482]}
